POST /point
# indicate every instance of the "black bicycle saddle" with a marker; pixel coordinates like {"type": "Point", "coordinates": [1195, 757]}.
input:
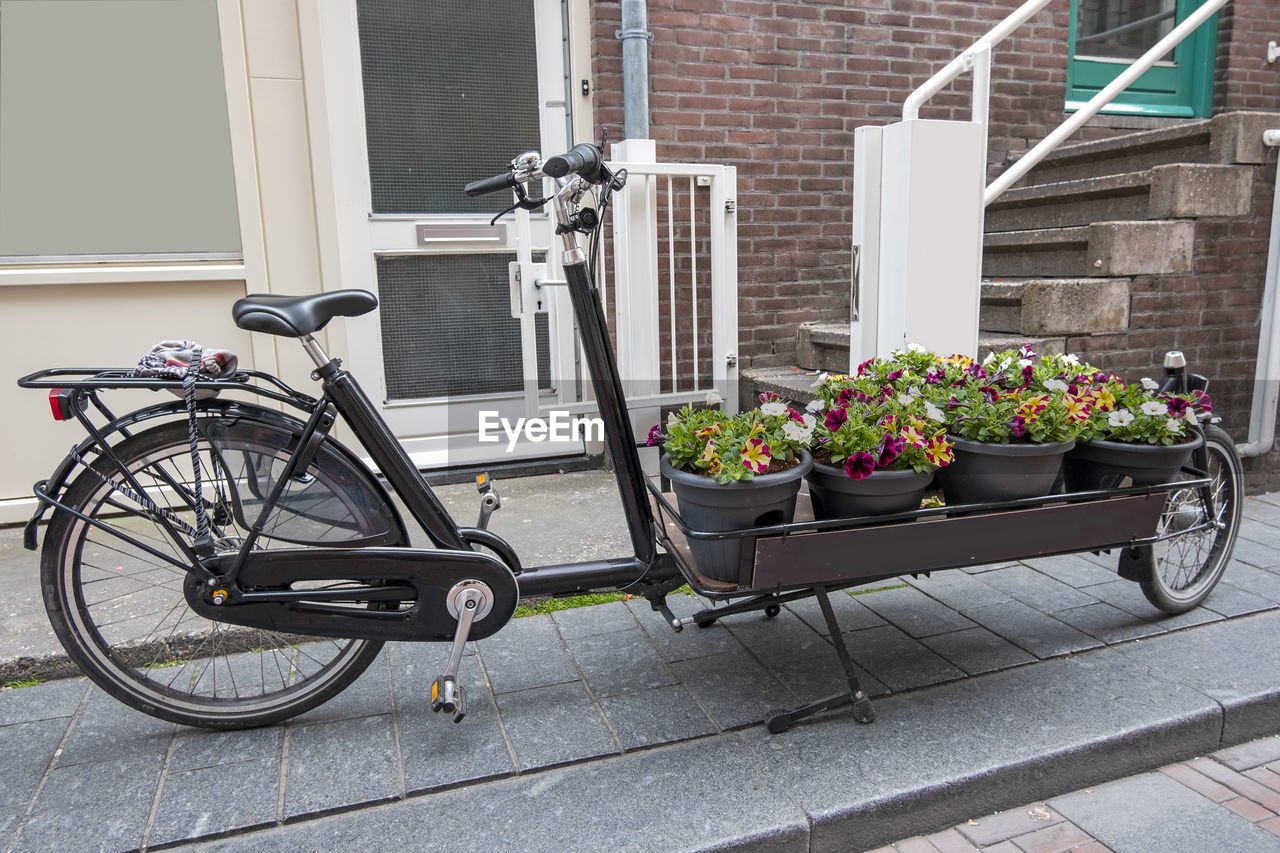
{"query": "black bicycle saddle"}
{"type": "Point", "coordinates": [295, 316]}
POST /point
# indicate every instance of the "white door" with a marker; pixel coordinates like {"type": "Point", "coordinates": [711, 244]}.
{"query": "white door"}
{"type": "Point", "coordinates": [447, 93]}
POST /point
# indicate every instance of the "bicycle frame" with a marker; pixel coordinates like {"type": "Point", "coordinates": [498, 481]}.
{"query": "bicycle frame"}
{"type": "Point", "coordinates": [342, 390]}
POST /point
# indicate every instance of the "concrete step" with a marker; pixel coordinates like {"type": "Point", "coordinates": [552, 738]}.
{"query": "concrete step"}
{"type": "Point", "coordinates": [1229, 138]}
{"type": "Point", "coordinates": [792, 383]}
{"type": "Point", "coordinates": [989, 342]}
{"type": "Point", "coordinates": [1071, 306]}
{"type": "Point", "coordinates": [1069, 203]}
{"type": "Point", "coordinates": [1106, 249]}
{"type": "Point", "coordinates": [1175, 191]}
{"type": "Point", "coordinates": [1187, 142]}
{"type": "Point", "coordinates": [823, 346]}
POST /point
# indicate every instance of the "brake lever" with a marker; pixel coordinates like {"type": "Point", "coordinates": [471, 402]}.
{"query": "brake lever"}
{"type": "Point", "coordinates": [523, 202]}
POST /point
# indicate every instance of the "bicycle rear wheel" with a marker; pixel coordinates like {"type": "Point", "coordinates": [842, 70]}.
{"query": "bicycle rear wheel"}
{"type": "Point", "coordinates": [119, 609]}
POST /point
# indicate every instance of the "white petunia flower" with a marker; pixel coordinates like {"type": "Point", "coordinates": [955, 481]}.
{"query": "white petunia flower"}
{"type": "Point", "coordinates": [814, 406]}
{"type": "Point", "coordinates": [1190, 417]}
{"type": "Point", "coordinates": [1024, 362]}
{"type": "Point", "coordinates": [991, 357]}
{"type": "Point", "coordinates": [714, 398]}
{"type": "Point", "coordinates": [1154, 407]}
{"type": "Point", "coordinates": [904, 399]}
{"type": "Point", "coordinates": [1070, 359]}
{"type": "Point", "coordinates": [795, 432]}
{"type": "Point", "coordinates": [773, 409]}
{"type": "Point", "coordinates": [817, 383]}
{"type": "Point", "coordinates": [1004, 365]}
{"type": "Point", "coordinates": [1173, 425]}
{"type": "Point", "coordinates": [672, 419]}
{"type": "Point", "coordinates": [933, 413]}
{"type": "Point", "coordinates": [809, 421]}
{"type": "Point", "coordinates": [1055, 385]}
{"type": "Point", "coordinates": [1150, 384]}
{"type": "Point", "coordinates": [1120, 417]}
{"type": "Point", "coordinates": [915, 348]}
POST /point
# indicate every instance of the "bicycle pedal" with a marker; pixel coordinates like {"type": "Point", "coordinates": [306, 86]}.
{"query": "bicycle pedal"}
{"type": "Point", "coordinates": [447, 695]}
{"type": "Point", "coordinates": [442, 691]}
{"type": "Point", "coordinates": [490, 500]}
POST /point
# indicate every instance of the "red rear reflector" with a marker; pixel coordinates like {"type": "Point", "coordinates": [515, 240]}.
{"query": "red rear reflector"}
{"type": "Point", "coordinates": [59, 405]}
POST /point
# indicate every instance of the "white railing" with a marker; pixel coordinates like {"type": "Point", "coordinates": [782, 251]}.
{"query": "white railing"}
{"type": "Point", "coordinates": [671, 290]}
{"type": "Point", "coordinates": [977, 58]}
{"type": "Point", "coordinates": [920, 197]}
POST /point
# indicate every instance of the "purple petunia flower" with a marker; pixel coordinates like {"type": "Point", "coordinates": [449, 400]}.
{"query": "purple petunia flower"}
{"type": "Point", "coordinates": [1018, 427]}
{"type": "Point", "coordinates": [656, 436]}
{"type": "Point", "coordinates": [836, 418]}
{"type": "Point", "coordinates": [889, 451]}
{"type": "Point", "coordinates": [1177, 407]}
{"type": "Point", "coordinates": [845, 395]}
{"type": "Point", "coordinates": [859, 465]}
{"type": "Point", "coordinates": [769, 397]}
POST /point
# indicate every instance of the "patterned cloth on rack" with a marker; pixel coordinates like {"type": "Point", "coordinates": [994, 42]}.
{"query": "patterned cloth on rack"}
{"type": "Point", "coordinates": [174, 358]}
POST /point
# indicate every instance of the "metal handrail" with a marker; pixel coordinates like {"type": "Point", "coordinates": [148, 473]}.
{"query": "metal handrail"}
{"type": "Point", "coordinates": [967, 60]}
{"type": "Point", "coordinates": [977, 58]}
{"type": "Point", "coordinates": [1011, 175]}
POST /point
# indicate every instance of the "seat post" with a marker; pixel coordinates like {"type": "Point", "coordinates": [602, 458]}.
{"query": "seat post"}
{"type": "Point", "coordinates": [313, 348]}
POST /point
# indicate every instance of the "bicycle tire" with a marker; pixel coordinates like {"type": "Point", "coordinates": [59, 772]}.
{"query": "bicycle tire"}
{"type": "Point", "coordinates": [1186, 568]}
{"type": "Point", "coordinates": [121, 614]}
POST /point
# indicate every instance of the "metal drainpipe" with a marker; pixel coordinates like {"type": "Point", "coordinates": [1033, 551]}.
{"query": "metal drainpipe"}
{"type": "Point", "coordinates": [1266, 381]}
{"type": "Point", "coordinates": [635, 38]}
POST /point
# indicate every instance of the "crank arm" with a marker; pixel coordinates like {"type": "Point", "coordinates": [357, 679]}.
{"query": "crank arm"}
{"type": "Point", "coordinates": [468, 602]}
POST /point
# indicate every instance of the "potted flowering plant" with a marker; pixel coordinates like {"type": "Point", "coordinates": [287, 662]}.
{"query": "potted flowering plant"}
{"type": "Point", "coordinates": [878, 443]}
{"type": "Point", "coordinates": [1012, 419]}
{"type": "Point", "coordinates": [732, 472]}
{"type": "Point", "coordinates": [1134, 431]}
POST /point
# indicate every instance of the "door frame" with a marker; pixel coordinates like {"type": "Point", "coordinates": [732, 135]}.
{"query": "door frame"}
{"type": "Point", "coordinates": [350, 237]}
{"type": "Point", "coordinates": [1184, 91]}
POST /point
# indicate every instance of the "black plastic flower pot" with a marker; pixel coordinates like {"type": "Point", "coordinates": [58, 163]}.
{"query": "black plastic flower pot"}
{"type": "Point", "coordinates": [710, 507]}
{"type": "Point", "coordinates": [1102, 464]}
{"type": "Point", "coordinates": [986, 473]}
{"type": "Point", "coordinates": [837, 495]}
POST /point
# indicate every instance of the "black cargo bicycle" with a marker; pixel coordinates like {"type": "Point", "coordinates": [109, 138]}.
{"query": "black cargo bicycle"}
{"type": "Point", "coordinates": [222, 564]}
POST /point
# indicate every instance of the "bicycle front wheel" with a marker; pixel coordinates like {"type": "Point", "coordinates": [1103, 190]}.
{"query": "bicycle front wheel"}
{"type": "Point", "coordinates": [118, 608]}
{"type": "Point", "coordinates": [1187, 566]}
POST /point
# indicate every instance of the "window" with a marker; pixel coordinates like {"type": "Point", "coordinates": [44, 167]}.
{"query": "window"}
{"type": "Point", "coordinates": [114, 136]}
{"type": "Point", "coordinates": [1106, 36]}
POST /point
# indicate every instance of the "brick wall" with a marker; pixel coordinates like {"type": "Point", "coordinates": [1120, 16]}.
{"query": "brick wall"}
{"type": "Point", "coordinates": [777, 89]}
{"type": "Point", "coordinates": [1243, 80]}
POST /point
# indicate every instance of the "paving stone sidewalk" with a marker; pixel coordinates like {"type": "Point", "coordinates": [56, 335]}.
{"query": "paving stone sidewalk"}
{"type": "Point", "coordinates": [999, 679]}
{"type": "Point", "coordinates": [1229, 800]}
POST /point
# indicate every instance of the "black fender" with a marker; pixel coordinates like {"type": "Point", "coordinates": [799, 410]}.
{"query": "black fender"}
{"type": "Point", "coordinates": [51, 489]}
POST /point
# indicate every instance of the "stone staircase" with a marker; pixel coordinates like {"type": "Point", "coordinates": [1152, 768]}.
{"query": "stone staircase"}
{"type": "Point", "coordinates": [1063, 248]}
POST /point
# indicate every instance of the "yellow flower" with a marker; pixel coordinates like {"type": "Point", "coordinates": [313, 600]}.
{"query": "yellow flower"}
{"type": "Point", "coordinates": [755, 456]}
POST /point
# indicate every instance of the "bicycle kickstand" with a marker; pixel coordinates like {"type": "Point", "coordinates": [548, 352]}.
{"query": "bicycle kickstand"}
{"type": "Point", "coordinates": [467, 601]}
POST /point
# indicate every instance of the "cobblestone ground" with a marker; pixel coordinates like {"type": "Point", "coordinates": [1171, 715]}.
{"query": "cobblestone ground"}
{"type": "Point", "coordinates": [1237, 788]}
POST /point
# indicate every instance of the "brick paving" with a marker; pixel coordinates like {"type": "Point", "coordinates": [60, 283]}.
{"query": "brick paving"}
{"type": "Point", "coordinates": [1244, 780]}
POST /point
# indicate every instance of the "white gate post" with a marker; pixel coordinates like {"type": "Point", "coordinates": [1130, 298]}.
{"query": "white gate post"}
{"type": "Point", "coordinates": [635, 282]}
{"type": "Point", "coordinates": [930, 263]}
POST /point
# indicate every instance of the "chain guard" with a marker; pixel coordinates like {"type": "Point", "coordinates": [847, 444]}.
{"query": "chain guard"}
{"type": "Point", "coordinates": [422, 615]}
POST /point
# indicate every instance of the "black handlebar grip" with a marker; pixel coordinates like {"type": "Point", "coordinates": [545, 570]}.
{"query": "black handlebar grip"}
{"type": "Point", "coordinates": [583, 158]}
{"type": "Point", "coordinates": [495, 184]}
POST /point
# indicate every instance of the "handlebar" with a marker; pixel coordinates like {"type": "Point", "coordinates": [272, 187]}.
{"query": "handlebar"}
{"type": "Point", "coordinates": [583, 159]}
{"type": "Point", "coordinates": [495, 184]}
